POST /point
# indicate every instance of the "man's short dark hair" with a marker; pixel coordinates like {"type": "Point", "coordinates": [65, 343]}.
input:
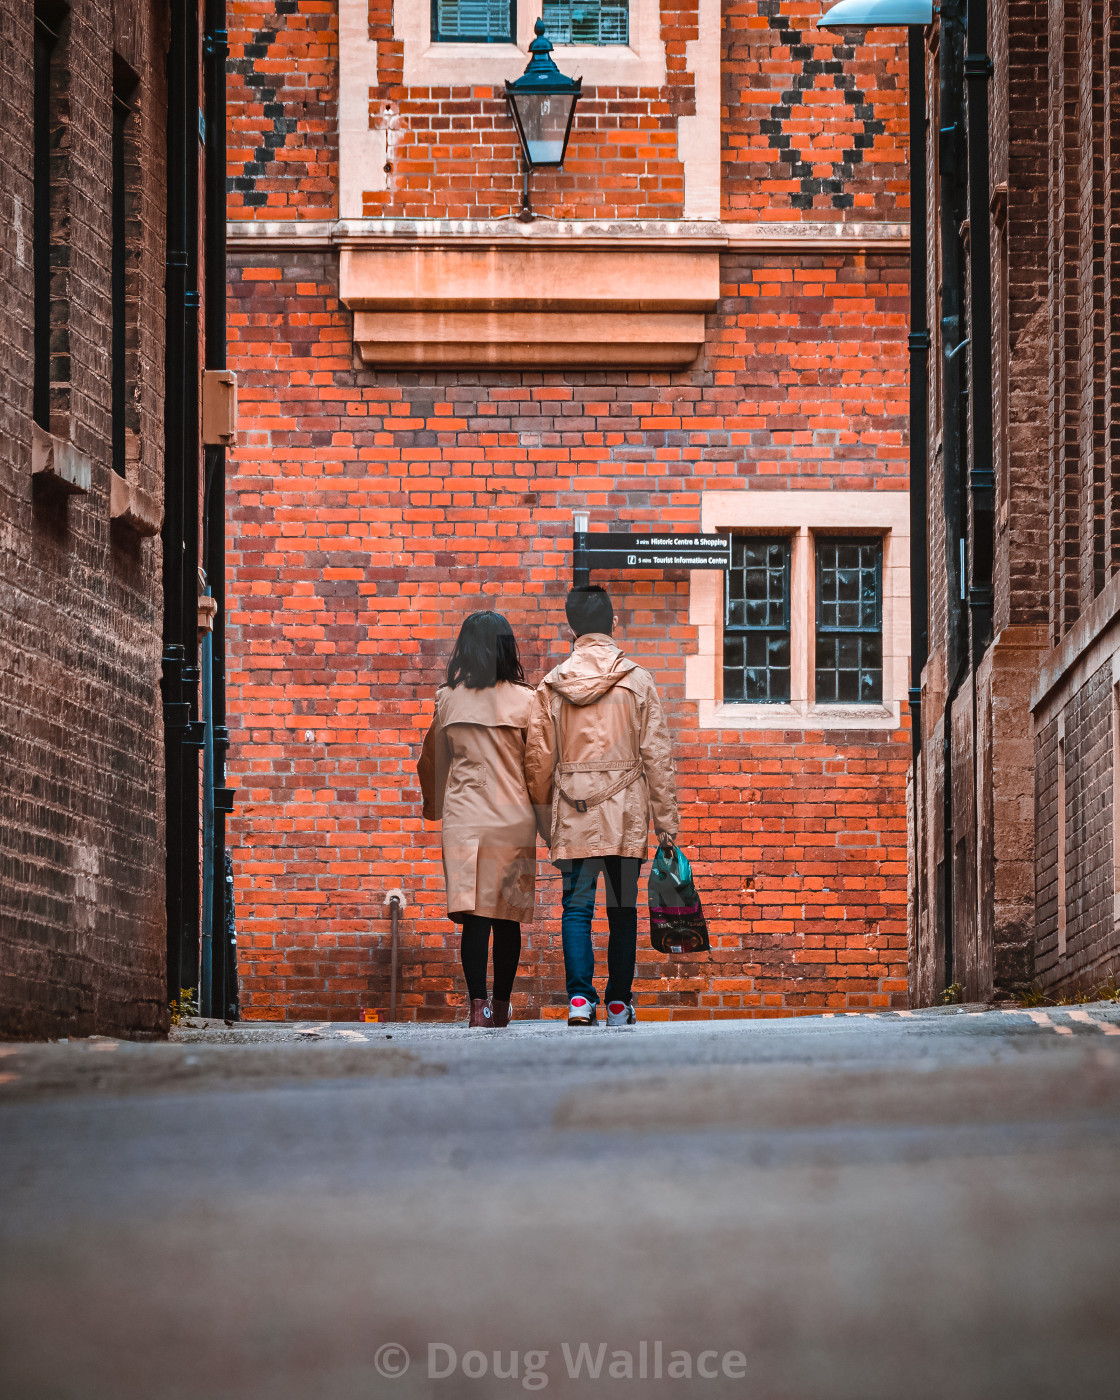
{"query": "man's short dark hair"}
{"type": "Point", "coordinates": [590, 609]}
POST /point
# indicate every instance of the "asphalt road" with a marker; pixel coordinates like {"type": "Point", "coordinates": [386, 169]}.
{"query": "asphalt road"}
{"type": "Point", "coordinates": [880, 1206]}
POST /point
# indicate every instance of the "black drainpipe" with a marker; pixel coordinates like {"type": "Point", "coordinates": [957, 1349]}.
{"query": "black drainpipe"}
{"type": "Point", "coordinates": [182, 730]}
{"type": "Point", "coordinates": [223, 1000]}
{"type": "Point", "coordinates": [919, 384]}
{"type": "Point", "coordinates": [978, 73]}
{"type": "Point", "coordinates": [952, 158]}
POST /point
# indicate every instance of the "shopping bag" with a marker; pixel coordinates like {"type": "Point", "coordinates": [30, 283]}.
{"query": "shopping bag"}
{"type": "Point", "coordinates": [676, 916]}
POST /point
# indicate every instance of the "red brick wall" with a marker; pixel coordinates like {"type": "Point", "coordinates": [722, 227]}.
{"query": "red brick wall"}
{"type": "Point", "coordinates": [82, 936]}
{"type": "Point", "coordinates": [282, 100]}
{"type": "Point", "coordinates": [813, 128]}
{"type": "Point", "coordinates": [371, 511]}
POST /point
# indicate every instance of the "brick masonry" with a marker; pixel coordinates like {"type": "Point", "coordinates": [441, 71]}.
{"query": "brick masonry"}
{"type": "Point", "coordinates": [371, 510]}
{"type": "Point", "coordinates": [811, 128]}
{"type": "Point", "coordinates": [1054, 175]}
{"type": "Point", "coordinates": [814, 127]}
{"type": "Point", "coordinates": [82, 928]}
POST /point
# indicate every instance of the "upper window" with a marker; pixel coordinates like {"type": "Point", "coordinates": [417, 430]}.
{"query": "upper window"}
{"type": "Point", "coordinates": [587, 21]}
{"type": "Point", "coordinates": [756, 629]}
{"type": "Point", "coordinates": [474, 21]}
{"type": "Point", "coordinates": [849, 650]}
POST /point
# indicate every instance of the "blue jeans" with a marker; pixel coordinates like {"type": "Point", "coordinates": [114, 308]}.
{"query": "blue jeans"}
{"type": "Point", "coordinates": [620, 880]}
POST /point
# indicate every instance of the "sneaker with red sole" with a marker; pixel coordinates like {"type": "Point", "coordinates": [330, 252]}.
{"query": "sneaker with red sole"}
{"type": "Point", "coordinates": [620, 1013]}
{"type": "Point", "coordinates": [581, 1012]}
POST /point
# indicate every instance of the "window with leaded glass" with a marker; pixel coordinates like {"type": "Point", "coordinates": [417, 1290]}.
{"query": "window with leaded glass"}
{"type": "Point", "coordinates": [587, 21]}
{"type": "Point", "coordinates": [473, 21]}
{"type": "Point", "coordinates": [756, 641]}
{"type": "Point", "coordinates": [849, 621]}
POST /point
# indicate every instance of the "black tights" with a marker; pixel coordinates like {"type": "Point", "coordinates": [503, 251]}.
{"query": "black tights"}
{"type": "Point", "coordinates": [474, 949]}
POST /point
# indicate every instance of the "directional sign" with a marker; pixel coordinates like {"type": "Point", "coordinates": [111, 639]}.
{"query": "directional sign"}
{"type": "Point", "coordinates": [611, 551]}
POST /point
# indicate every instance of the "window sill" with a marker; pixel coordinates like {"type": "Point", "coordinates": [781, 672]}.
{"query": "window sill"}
{"type": "Point", "coordinates": [801, 714]}
{"type": "Point", "coordinates": [457, 64]}
{"type": "Point", "coordinates": [133, 508]}
{"type": "Point", "coordinates": [58, 461]}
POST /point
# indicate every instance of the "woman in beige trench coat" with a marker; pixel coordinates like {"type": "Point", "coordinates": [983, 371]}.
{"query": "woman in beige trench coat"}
{"type": "Point", "coordinates": [471, 777]}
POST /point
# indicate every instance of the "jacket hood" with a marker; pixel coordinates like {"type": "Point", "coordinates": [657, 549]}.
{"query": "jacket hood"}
{"type": "Point", "coordinates": [595, 666]}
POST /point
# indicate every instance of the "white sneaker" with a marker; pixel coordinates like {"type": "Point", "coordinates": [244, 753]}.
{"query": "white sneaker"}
{"type": "Point", "coordinates": [581, 1012]}
{"type": "Point", "coordinates": [620, 1013]}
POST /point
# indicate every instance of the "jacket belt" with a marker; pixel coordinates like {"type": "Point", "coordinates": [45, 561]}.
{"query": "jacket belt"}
{"type": "Point", "coordinates": [631, 772]}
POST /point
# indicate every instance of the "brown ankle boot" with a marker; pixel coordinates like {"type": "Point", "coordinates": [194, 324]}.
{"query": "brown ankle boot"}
{"type": "Point", "coordinates": [502, 1011]}
{"type": "Point", "coordinates": [480, 1013]}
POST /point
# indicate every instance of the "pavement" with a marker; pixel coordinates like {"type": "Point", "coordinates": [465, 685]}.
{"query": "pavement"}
{"type": "Point", "coordinates": [879, 1206]}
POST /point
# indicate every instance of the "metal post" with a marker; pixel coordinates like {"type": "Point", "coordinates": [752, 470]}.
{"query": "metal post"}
{"type": "Point", "coordinates": [396, 902]}
{"type": "Point", "coordinates": [209, 1004]}
{"type": "Point", "coordinates": [581, 570]}
{"type": "Point", "coordinates": [526, 216]}
{"type": "Point", "coordinates": [394, 916]}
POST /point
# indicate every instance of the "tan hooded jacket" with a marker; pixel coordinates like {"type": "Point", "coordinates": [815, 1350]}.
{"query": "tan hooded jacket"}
{"type": "Point", "coordinates": [471, 777]}
{"type": "Point", "coordinates": [597, 720]}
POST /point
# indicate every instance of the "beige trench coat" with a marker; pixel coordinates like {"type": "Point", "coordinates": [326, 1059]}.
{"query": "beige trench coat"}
{"type": "Point", "coordinates": [596, 720]}
{"type": "Point", "coordinates": [471, 776]}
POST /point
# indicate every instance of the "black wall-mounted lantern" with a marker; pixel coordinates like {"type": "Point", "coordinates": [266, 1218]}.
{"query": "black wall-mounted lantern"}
{"type": "Point", "coordinates": [542, 103]}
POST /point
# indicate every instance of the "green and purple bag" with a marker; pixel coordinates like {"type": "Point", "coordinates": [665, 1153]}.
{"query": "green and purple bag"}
{"type": "Point", "coordinates": [676, 916]}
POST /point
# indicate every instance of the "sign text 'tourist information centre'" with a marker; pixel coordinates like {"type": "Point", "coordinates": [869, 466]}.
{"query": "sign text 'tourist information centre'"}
{"type": "Point", "coordinates": [615, 551]}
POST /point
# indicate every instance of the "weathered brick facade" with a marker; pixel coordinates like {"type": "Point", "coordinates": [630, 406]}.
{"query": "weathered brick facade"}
{"type": "Point", "coordinates": [82, 934]}
{"type": "Point", "coordinates": [373, 508]}
{"type": "Point", "coordinates": [1033, 872]}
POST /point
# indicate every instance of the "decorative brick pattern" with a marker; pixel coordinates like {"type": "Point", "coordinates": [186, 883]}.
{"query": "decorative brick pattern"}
{"type": "Point", "coordinates": [82, 927]}
{"type": "Point", "coordinates": [814, 127]}
{"type": "Point", "coordinates": [282, 101]}
{"type": "Point", "coordinates": [372, 510]}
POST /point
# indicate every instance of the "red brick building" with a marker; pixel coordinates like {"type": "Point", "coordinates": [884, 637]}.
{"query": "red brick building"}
{"type": "Point", "coordinates": [102, 270]}
{"type": "Point", "coordinates": [704, 328]}
{"type": "Point", "coordinates": [1017, 856]}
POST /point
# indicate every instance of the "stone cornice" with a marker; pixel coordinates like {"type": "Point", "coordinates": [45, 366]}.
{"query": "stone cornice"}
{"type": "Point", "coordinates": [261, 235]}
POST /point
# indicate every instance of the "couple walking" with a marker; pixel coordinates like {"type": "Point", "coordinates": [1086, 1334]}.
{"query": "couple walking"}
{"type": "Point", "coordinates": [585, 760]}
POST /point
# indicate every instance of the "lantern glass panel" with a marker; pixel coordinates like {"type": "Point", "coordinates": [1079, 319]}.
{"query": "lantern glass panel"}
{"type": "Point", "coordinates": [543, 118]}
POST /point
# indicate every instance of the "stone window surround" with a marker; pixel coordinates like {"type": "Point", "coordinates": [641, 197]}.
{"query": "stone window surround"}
{"type": "Point", "coordinates": [801, 515]}
{"type": "Point", "coordinates": [365, 130]}
{"type": "Point", "coordinates": [641, 63]}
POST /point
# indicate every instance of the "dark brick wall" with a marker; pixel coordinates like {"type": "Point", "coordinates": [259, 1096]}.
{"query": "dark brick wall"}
{"type": "Point", "coordinates": [82, 942]}
{"type": "Point", "coordinates": [1090, 939]}
{"type": "Point", "coordinates": [1088, 747]}
{"type": "Point", "coordinates": [1055, 169]}
{"type": "Point", "coordinates": [1021, 346]}
{"type": "Point", "coordinates": [1046, 838]}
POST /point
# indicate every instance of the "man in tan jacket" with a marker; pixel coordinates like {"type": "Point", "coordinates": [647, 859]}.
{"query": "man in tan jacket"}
{"type": "Point", "coordinates": [598, 764]}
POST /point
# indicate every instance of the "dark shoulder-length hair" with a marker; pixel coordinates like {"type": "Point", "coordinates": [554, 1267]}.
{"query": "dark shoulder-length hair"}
{"type": "Point", "coordinates": [485, 653]}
